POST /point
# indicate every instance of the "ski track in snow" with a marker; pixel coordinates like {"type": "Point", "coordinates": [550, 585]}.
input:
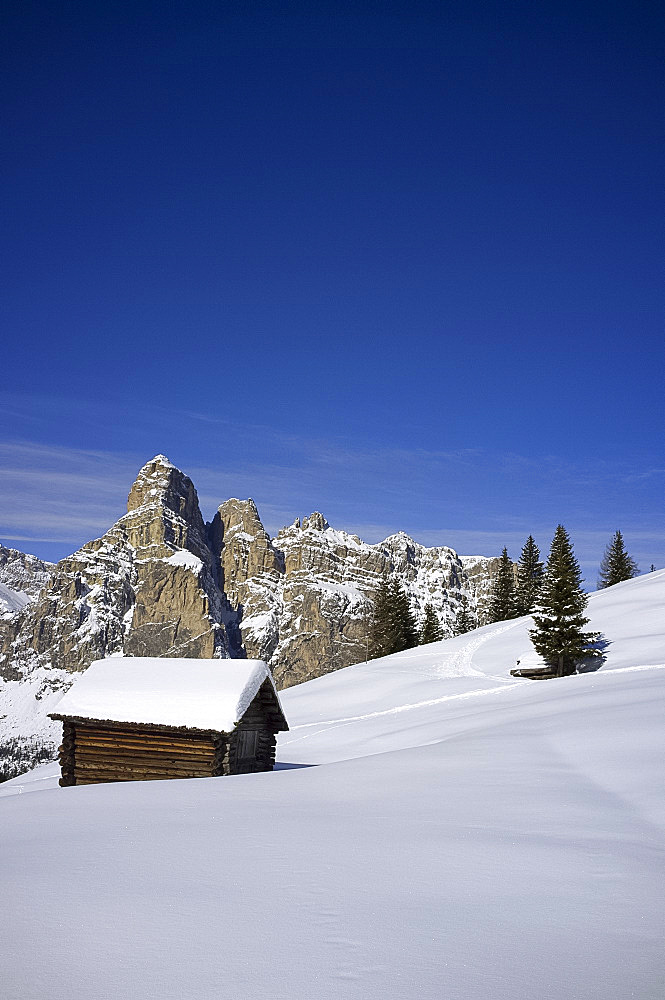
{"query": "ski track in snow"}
{"type": "Point", "coordinates": [458, 664]}
{"type": "Point", "coordinates": [463, 658]}
{"type": "Point", "coordinates": [334, 723]}
{"type": "Point", "coordinates": [632, 670]}
{"type": "Point", "coordinates": [461, 663]}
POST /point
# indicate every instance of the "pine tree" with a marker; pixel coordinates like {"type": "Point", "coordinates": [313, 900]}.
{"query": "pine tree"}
{"type": "Point", "coordinates": [529, 576]}
{"type": "Point", "coordinates": [503, 602]}
{"type": "Point", "coordinates": [405, 633]}
{"type": "Point", "coordinates": [431, 630]}
{"type": "Point", "coordinates": [393, 626]}
{"type": "Point", "coordinates": [558, 617]}
{"type": "Point", "coordinates": [381, 622]}
{"type": "Point", "coordinates": [465, 620]}
{"type": "Point", "coordinates": [616, 565]}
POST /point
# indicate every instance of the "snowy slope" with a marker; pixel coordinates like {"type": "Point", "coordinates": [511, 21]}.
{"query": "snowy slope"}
{"type": "Point", "coordinates": [11, 600]}
{"type": "Point", "coordinates": [464, 835]}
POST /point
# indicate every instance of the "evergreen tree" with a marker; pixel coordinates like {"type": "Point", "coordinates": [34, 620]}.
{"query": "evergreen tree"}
{"type": "Point", "coordinates": [381, 622]}
{"type": "Point", "coordinates": [405, 632]}
{"type": "Point", "coordinates": [616, 565]}
{"type": "Point", "coordinates": [465, 620]}
{"type": "Point", "coordinates": [558, 617]}
{"type": "Point", "coordinates": [393, 626]}
{"type": "Point", "coordinates": [503, 601]}
{"type": "Point", "coordinates": [431, 630]}
{"type": "Point", "coordinates": [529, 576]}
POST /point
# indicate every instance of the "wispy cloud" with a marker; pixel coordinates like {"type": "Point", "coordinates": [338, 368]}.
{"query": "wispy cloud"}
{"type": "Point", "coordinates": [470, 499]}
{"type": "Point", "coordinates": [648, 474]}
{"type": "Point", "coordinates": [61, 495]}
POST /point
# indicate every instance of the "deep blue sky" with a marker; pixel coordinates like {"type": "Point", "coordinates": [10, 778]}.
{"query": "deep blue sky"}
{"type": "Point", "coordinates": [401, 262]}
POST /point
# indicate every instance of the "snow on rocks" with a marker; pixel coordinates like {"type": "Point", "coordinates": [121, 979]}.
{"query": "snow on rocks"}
{"type": "Point", "coordinates": [187, 559]}
{"type": "Point", "coordinates": [22, 577]}
{"type": "Point", "coordinates": [11, 601]}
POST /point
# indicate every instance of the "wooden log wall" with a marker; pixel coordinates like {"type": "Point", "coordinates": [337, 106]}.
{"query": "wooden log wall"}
{"type": "Point", "coordinates": [66, 752]}
{"type": "Point", "coordinates": [141, 754]}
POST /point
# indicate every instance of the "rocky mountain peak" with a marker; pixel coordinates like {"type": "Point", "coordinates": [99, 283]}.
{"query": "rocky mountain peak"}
{"type": "Point", "coordinates": [401, 542]}
{"type": "Point", "coordinates": [234, 512]}
{"type": "Point", "coordinates": [241, 548]}
{"type": "Point", "coordinates": [163, 512]}
{"type": "Point", "coordinates": [400, 538]}
{"type": "Point", "coordinates": [316, 522]}
{"type": "Point", "coordinates": [147, 587]}
{"type": "Point", "coordinates": [159, 481]}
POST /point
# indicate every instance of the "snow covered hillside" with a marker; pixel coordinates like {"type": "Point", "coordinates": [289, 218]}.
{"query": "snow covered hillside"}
{"type": "Point", "coordinates": [436, 829]}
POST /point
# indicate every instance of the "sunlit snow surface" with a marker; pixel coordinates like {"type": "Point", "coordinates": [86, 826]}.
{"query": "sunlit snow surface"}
{"type": "Point", "coordinates": [464, 835]}
{"type": "Point", "coordinates": [166, 691]}
{"type": "Point", "coordinates": [11, 601]}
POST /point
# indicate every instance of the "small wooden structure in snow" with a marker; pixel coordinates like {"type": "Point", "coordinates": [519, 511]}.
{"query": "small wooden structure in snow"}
{"type": "Point", "coordinates": [534, 673]}
{"type": "Point", "coordinates": [532, 667]}
{"type": "Point", "coordinates": [144, 718]}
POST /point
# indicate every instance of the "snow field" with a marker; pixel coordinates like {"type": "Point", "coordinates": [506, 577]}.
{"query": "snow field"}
{"type": "Point", "coordinates": [463, 835]}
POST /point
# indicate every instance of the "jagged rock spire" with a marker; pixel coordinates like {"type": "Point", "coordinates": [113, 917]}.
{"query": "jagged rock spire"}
{"type": "Point", "coordinates": [243, 552]}
{"type": "Point", "coordinates": [316, 521]}
{"type": "Point", "coordinates": [163, 512]}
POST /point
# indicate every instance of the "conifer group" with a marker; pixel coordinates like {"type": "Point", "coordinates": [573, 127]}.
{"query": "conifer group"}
{"type": "Point", "coordinates": [558, 635]}
{"type": "Point", "coordinates": [616, 565]}
{"type": "Point", "coordinates": [393, 626]}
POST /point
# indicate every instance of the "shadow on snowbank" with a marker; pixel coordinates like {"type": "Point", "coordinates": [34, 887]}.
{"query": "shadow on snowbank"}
{"type": "Point", "coordinates": [283, 766]}
{"type": "Point", "coordinates": [593, 663]}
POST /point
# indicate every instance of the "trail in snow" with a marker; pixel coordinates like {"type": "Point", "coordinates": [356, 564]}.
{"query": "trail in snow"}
{"type": "Point", "coordinates": [637, 669]}
{"type": "Point", "coordinates": [463, 657]}
{"type": "Point", "coordinates": [458, 664]}
{"type": "Point", "coordinates": [334, 723]}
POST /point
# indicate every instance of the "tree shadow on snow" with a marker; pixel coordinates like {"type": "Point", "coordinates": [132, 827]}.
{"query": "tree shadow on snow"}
{"type": "Point", "coordinates": [593, 663]}
{"type": "Point", "coordinates": [283, 766]}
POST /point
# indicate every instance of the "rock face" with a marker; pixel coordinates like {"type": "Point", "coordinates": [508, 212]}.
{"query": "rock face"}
{"type": "Point", "coordinates": [21, 578]}
{"type": "Point", "coordinates": [162, 583]}
{"type": "Point", "coordinates": [480, 572]}
{"type": "Point", "coordinates": [250, 572]}
{"type": "Point", "coordinates": [147, 588]}
{"type": "Point", "coordinates": [304, 600]}
{"type": "Point", "coordinates": [178, 608]}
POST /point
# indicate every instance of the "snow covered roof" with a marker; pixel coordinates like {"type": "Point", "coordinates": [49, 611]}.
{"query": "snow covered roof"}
{"type": "Point", "coordinates": [150, 690]}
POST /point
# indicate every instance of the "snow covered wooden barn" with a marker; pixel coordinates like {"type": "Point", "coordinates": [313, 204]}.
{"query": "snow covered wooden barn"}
{"type": "Point", "coordinates": [145, 718]}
